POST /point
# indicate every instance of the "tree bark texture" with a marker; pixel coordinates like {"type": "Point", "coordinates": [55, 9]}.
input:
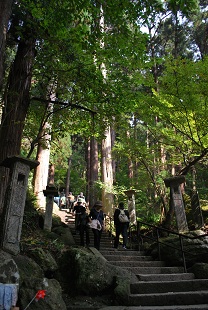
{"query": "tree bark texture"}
{"type": "Point", "coordinates": [41, 174]}
{"type": "Point", "coordinates": [68, 179]}
{"type": "Point", "coordinates": [16, 106]}
{"type": "Point", "coordinates": [113, 139]}
{"type": "Point", "coordinates": [93, 195]}
{"type": "Point", "coordinates": [5, 12]}
{"type": "Point", "coordinates": [43, 156]}
{"type": "Point", "coordinates": [107, 173]}
{"type": "Point", "coordinates": [87, 196]}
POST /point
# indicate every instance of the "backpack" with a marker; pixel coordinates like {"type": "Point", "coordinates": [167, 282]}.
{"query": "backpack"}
{"type": "Point", "coordinates": [63, 200]}
{"type": "Point", "coordinates": [123, 218]}
{"type": "Point", "coordinates": [83, 218]}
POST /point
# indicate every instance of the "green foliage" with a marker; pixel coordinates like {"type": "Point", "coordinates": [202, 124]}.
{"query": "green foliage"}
{"type": "Point", "coordinates": [32, 235]}
{"type": "Point", "coordinates": [187, 7]}
{"type": "Point", "coordinates": [156, 104]}
{"type": "Point", "coordinates": [31, 217]}
{"type": "Point", "coordinates": [183, 105]}
{"type": "Point", "coordinates": [117, 190]}
{"type": "Point", "coordinates": [60, 153]}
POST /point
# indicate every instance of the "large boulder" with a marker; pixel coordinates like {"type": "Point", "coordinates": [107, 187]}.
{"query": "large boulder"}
{"type": "Point", "coordinates": [200, 270]}
{"type": "Point", "coordinates": [53, 294]}
{"type": "Point", "coordinates": [9, 273]}
{"type": "Point", "coordinates": [28, 268]}
{"type": "Point", "coordinates": [64, 234]}
{"type": "Point", "coordinates": [90, 274]}
{"type": "Point", "coordinates": [45, 260]}
{"type": "Point", "coordinates": [32, 279]}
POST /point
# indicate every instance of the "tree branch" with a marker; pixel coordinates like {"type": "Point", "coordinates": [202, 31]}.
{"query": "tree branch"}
{"type": "Point", "coordinates": [66, 104]}
{"type": "Point", "coordinates": [186, 169]}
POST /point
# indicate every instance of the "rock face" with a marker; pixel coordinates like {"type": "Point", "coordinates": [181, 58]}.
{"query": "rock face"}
{"type": "Point", "coordinates": [78, 270]}
{"type": "Point", "coordinates": [200, 270]}
{"type": "Point", "coordinates": [52, 300]}
{"type": "Point", "coordinates": [32, 279]}
{"type": "Point", "coordinates": [28, 268]}
{"type": "Point", "coordinates": [45, 260]}
{"type": "Point", "coordinates": [64, 234]}
{"type": "Point", "coordinates": [9, 272]}
{"type": "Point", "coordinates": [89, 274]}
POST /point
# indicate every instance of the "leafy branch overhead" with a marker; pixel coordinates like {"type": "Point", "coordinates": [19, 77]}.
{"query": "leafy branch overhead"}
{"type": "Point", "coordinates": [152, 103]}
{"type": "Point", "coordinates": [65, 104]}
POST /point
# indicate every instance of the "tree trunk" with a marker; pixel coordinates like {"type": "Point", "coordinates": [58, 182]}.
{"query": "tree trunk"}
{"type": "Point", "coordinates": [40, 177]}
{"type": "Point", "coordinates": [87, 197]}
{"type": "Point", "coordinates": [16, 106]}
{"type": "Point", "coordinates": [106, 165]}
{"type": "Point", "coordinates": [93, 195]}
{"type": "Point", "coordinates": [107, 173]}
{"type": "Point", "coordinates": [130, 163]}
{"type": "Point", "coordinates": [41, 174]}
{"type": "Point", "coordinates": [5, 12]}
{"type": "Point", "coordinates": [68, 180]}
{"type": "Point", "coordinates": [113, 139]}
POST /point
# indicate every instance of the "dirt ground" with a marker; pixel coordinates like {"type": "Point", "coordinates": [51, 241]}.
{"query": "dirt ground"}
{"type": "Point", "coordinates": [61, 213]}
{"type": "Point", "coordinates": [87, 302]}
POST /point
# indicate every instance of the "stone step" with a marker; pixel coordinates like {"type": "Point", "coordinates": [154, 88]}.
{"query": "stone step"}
{"type": "Point", "coordinates": [165, 277]}
{"type": "Point", "coordinates": [103, 242]}
{"type": "Point", "coordinates": [169, 298]}
{"type": "Point", "coordinates": [137, 263]}
{"type": "Point", "coordinates": [106, 243]}
{"type": "Point", "coordinates": [168, 286]}
{"type": "Point", "coordinates": [112, 251]}
{"type": "Point", "coordinates": [103, 238]}
{"type": "Point", "coordinates": [157, 285]}
{"type": "Point", "coordinates": [77, 241]}
{"type": "Point", "coordinates": [182, 307]}
{"type": "Point", "coordinates": [126, 258]}
{"type": "Point", "coordinates": [155, 270]}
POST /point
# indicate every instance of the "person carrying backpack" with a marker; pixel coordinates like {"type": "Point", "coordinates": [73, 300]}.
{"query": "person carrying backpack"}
{"type": "Point", "coordinates": [83, 227]}
{"type": "Point", "coordinates": [77, 210]}
{"type": "Point", "coordinates": [96, 213]}
{"type": "Point", "coordinates": [121, 222]}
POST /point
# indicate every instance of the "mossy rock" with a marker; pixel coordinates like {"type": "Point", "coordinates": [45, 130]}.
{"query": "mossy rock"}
{"type": "Point", "coordinates": [27, 267]}
{"type": "Point", "coordinates": [200, 270]}
{"type": "Point", "coordinates": [44, 259]}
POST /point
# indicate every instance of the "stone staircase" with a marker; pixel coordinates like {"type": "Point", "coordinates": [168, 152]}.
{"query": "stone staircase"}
{"type": "Point", "coordinates": [158, 286]}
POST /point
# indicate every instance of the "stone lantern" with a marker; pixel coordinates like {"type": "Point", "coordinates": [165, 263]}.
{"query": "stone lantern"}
{"type": "Point", "coordinates": [49, 192]}
{"type": "Point", "coordinates": [176, 200]}
{"type": "Point", "coordinates": [13, 210]}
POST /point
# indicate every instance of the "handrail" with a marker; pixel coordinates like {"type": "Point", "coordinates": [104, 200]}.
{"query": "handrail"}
{"type": "Point", "coordinates": [172, 231]}
{"type": "Point", "coordinates": [180, 235]}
